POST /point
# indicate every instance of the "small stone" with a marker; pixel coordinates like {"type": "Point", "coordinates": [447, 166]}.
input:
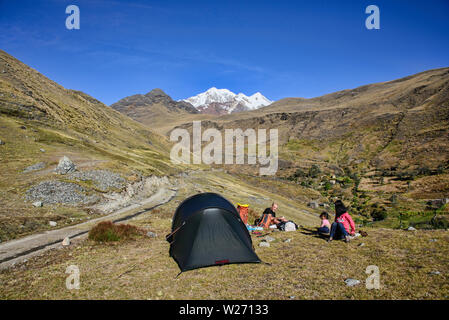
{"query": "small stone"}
{"type": "Point", "coordinates": [269, 239]}
{"type": "Point", "coordinates": [38, 204]}
{"type": "Point", "coordinates": [52, 223]}
{"type": "Point", "coordinates": [292, 297]}
{"type": "Point", "coordinates": [264, 244]}
{"type": "Point", "coordinates": [433, 240]}
{"type": "Point", "coordinates": [66, 241]}
{"type": "Point", "coordinates": [313, 205]}
{"type": "Point", "coordinates": [42, 150]}
{"type": "Point", "coordinates": [352, 282]}
{"type": "Point", "coordinates": [411, 229]}
{"type": "Point", "coordinates": [434, 272]}
{"type": "Point", "coordinates": [151, 234]}
{"type": "Point", "coordinates": [288, 240]}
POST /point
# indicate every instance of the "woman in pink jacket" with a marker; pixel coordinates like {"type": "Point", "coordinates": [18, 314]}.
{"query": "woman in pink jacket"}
{"type": "Point", "coordinates": [343, 226]}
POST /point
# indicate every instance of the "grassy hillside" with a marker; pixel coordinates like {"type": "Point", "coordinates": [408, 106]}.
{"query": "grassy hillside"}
{"type": "Point", "coordinates": [40, 122]}
{"type": "Point", "coordinates": [366, 145]}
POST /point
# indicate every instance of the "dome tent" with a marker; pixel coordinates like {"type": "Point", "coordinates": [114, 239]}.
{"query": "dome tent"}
{"type": "Point", "coordinates": [207, 231]}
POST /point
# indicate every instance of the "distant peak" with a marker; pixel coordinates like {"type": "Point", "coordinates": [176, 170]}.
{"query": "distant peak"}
{"type": "Point", "coordinates": [228, 100]}
{"type": "Point", "coordinates": [156, 91]}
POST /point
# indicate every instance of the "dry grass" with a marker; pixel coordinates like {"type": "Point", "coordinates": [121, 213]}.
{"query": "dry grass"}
{"type": "Point", "coordinates": [305, 268]}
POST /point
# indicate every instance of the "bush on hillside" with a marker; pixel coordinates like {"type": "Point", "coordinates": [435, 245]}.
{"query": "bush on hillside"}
{"type": "Point", "coordinates": [378, 213]}
{"type": "Point", "coordinates": [106, 231]}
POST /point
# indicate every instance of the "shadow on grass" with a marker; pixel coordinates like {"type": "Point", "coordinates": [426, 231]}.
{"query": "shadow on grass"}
{"type": "Point", "coordinates": [314, 233]}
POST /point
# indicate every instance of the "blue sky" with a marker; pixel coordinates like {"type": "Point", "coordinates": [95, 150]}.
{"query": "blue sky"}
{"type": "Point", "coordinates": [280, 48]}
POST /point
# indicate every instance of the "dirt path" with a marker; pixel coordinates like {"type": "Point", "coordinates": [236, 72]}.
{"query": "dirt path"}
{"type": "Point", "coordinates": [18, 250]}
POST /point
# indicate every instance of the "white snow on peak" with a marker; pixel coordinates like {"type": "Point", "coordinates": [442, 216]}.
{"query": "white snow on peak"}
{"type": "Point", "coordinates": [228, 100]}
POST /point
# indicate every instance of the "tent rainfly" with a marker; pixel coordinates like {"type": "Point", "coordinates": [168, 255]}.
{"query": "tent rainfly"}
{"type": "Point", "coordinates": [207, 231]}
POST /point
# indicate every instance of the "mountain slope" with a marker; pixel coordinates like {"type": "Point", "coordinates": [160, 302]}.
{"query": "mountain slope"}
{"type": "Point", "coordinates": [40, 122]}
{"type": "Point", "coordinates": [28, 96]}
{"type": "Point", "coordinates": [154, 108]}
{"type": "Point", "coordinates": [370, 145]}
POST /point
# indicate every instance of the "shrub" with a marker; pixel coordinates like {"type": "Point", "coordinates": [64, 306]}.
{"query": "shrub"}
{"type": "Point", "coordinates": [378, 213]}
{"type": "Point", "coordinates": [108, 231]}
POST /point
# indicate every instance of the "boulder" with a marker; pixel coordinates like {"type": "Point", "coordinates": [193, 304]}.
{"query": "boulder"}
{"type": "Point", "coordinates": [65, 166]}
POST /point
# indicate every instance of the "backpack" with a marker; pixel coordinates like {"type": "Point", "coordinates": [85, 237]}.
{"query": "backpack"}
{"type": "Point", "coordinates": [287, 226]}
{"type": "Point", "coordinates": [264, 221]}
{"type": "Point", "coordinates": [243, 211]}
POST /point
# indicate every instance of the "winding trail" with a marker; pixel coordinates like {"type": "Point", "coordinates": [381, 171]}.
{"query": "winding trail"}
{"type": "Point", "coordinates": [16, 251]}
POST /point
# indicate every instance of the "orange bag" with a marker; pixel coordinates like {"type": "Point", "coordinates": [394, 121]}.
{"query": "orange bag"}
{"type": "Point", "coordinates": [243, 211]}
{"type": "Point", "coordinates": [265, 221]}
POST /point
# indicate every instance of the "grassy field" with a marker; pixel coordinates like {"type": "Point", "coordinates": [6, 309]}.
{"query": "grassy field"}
{"type": "Point", "coordinates": [307, 267]}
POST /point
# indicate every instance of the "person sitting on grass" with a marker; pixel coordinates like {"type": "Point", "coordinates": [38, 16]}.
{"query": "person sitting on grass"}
{"type": "Point", "coordinates": [343, 226]}
{"type": "Point", "coordinates": [325, 224]}
{"type": "Point", "coordinates": [269, 217]}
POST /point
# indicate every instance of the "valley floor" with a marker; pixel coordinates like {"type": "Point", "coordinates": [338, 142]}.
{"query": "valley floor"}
{"type": "Point", "coordinates": [412, 265]}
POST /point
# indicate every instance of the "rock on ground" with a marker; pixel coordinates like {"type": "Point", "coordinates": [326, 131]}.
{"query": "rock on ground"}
{"type": "Point", "coordinates": [65, 166]}
{"type": "Point", "coordinates": [52, 223]}
{"type": "Point", "coordinates": [54, 191]}
{"type": "Point", "coordinates": [38, 204]}
{"type": "Point", "coordinates": [313, 205]}
{"type": "Point", "coordinates": [264, 244]}
{"type": "Point", "coordinates": [151, 234]}
{"type": "Point", "coordinates": [352, 282]}
{"type": "Point", "coordinates": [34, 167]}
{"type": "Point", "coordinates": [66, 241]}
{"type": "Point", "coordinates": [103, 179]}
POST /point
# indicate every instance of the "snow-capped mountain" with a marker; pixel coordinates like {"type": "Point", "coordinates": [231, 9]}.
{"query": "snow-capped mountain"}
{"type": "Point", "coordinates": [223, 101]}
